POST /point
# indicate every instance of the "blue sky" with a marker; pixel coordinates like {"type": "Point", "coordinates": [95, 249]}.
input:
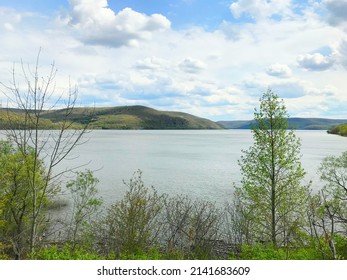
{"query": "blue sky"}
{"type": "Point", "coordinates": [211, 58]}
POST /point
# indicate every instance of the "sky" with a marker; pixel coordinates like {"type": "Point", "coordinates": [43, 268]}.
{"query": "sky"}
{"type": "Point", "coordinates": [210, 58]}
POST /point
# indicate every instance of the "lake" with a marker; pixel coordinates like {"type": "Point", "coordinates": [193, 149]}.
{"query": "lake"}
{"type": "Point", "coordinates": [199, 163]}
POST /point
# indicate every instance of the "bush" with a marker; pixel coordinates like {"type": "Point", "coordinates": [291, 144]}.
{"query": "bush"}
{"type": "Point", "coordinates": [65, 253]}
{"type": "Point", "coordinates": [268, 252]}
{"type": "Point", "coordinates": [132, 225]}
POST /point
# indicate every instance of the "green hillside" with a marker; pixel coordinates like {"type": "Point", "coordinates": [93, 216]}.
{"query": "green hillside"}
{"type": "Point", "coordinates": [124, 117]}
{"type": "Point", "coordinates": [295, 123]}
{"type": "Point", "coordinates": [339, 130]}
{"type": "Point", "coordinates": [15, 119]}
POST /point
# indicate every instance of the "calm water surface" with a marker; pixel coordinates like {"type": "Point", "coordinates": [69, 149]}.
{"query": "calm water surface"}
{"type": "Point", "coordinates": [200, 163]}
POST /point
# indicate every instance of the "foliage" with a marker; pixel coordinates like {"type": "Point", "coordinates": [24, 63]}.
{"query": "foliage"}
{"type": "Point", "coordinates": [65, 252]}
{"type": "Point", "coordinates": [4, 251]}
{"type": "Point", "coordinates": [40, 151]}
{"type": "Point", "coordinates": [333, 171]}
{"type": "Point", "coordinates": [132, 224]}
{"type": "Point", "coordinates": [16, 119]}
{"type": "Point", "coordinates": [152, 253]}
{"type": "Point", "coordinates": [341, 246]}
{"type": "Point", "coordinates": [340, 129]}
{"type": "Point", "coordinates": [122, 117]}
{"type": "Point", "coordinates": [329, 210]}
{"type": "Point", "coordinates": [268, 252]}
{"type": "Point", "coordinates": [271, 188]}
{"type": "Point", "coordinates": [143, 220]}
{"type": "Point", "coordinates": [191, 227]}
{"type": "Point", "coordinates": [85, 204]}
{"type": "Point", "coordinates": [295, 123]}
{"type": "Point", "coordinates": [16, 196]}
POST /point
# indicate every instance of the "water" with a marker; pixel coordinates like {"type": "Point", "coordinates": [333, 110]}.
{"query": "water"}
{"type": "Point", "coordinates": [199, 163]}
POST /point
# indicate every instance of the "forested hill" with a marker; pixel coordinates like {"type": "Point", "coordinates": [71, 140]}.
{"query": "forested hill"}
{"type": "Point", "coordinates": [123, 117]}
{"type": "Point", "coordinates": [295, 123]}
{"type": "Point", "coordinates": [141, 117]}
{"type": "Point", "coordinates": [340, 129]}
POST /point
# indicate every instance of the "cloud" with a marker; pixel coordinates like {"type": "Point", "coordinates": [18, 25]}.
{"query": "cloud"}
{"type": "Point", "coordinates": [279, 70]}
{"type": "Point", "coordinates": [97, 24]}
{"type": "Point", "coordinates": [149, 63]}
{"type": "Point", "coordinates": [316, 62]}
{"type": "Point", "coordinates": [337, 10]}
{"type": "Point", "coordinates": [261, 9]}
{"type": "Point", "coordinates": [191, 65]}
{"type": "Point", "coordinates": [9, 19]}
{"type": "Point", "coordinates": [343, 53]}
{"type": "Point", "coordinates": [197, 70]}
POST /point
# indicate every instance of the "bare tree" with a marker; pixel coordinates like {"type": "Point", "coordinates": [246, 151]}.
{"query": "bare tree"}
{"type": "Point", "coordinates": [32, 95]}
{"type": "Point", "coordinates": [323, 224]}
{"type": "Point", "coordinates": [192, 227]}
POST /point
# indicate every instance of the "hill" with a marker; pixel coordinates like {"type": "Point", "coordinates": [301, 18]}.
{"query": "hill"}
{"type": "Point", "coordinates": [14, 118]}
{"type": "Point", "coordinates": [340, 129]}
{"type": "Point", "coordinates": [123, 117]}
{"type": "Point", "coordinates": [295, 123]}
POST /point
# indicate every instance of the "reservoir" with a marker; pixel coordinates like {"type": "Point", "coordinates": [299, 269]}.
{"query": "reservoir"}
{"type": "Point", "coordinates": [200, 163]}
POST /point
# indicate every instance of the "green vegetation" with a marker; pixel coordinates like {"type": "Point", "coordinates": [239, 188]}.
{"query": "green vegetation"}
{"type": "Point", "coordinates": [339, 130]}
{"type": "Point", "coordinates": [146, 225]}
{"type": "Point", "coordinates": [86, 204]}
{"type": "Point", "coordinates": [18, 198]}
{"type": "Point", "coordinates": [272, 216]}
{"type": "Point", "coordinates": [293, 123]}
{"type": "Point", "coordinates": [10, 119]}
{"type": "Point", "coordinates": [29, 157]}
{"type": "Point", "coordinates": [134, 117]}
{"type": "Point", "coordinates": [124, 117]}
{"type": "Point", "coordinates": [271, 193]}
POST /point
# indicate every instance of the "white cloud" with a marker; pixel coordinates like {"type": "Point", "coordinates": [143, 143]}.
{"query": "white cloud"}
{"type": "Point", "coordinates": [9, 19]}
{"type": "Point", "coordinates": [316, 62]}
{"type": "Point", "coordinates": [193, 70]}
{"type": "Point", "coordinates": [261, 9]}
{"type": "Point", "coordinates": [343, 53]}
{"type": "Point", "coordinates": [149, 63]}
{"type": "Point", "coordinates": [191, 65]}
{"type": "Point", "coordinates": [279, 70]}
{"type": "Point", "coordinates": [97, 24]}
{"type": "Point", "coordinates": [8, 26]}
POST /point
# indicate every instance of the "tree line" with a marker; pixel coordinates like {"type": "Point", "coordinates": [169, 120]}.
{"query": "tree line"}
{"type": "Point", "coordinates": [272, 214]}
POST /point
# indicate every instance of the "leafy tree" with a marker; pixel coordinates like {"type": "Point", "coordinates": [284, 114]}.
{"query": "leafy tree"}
{"type": "Point", "coordinates": [271, 176]}
{"type": "Point", "coordinates": [16, 197]}
{"type": "Point", "coordinates": [31, 94]}
{"type": "Point", "coordinates": [85, 204]}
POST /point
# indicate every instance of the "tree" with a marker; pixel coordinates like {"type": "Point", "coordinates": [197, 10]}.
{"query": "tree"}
{"type": "Point", "coordinates": [271, 175]}
{"type": "Point", "coordinates": [132, 225]}
{"type": "Point", "coordinates": [191, 227]}
{"type": "Point", "coordinates": [15, 197]}
{"type": "Point", "coordinates": [33, 94]}
{"type": "Point", "coordinates": [85, 204]}
{"type": "Point", "coordinates": [329, 217]}
{"type": "Point", "coordinates": [333, 171]}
